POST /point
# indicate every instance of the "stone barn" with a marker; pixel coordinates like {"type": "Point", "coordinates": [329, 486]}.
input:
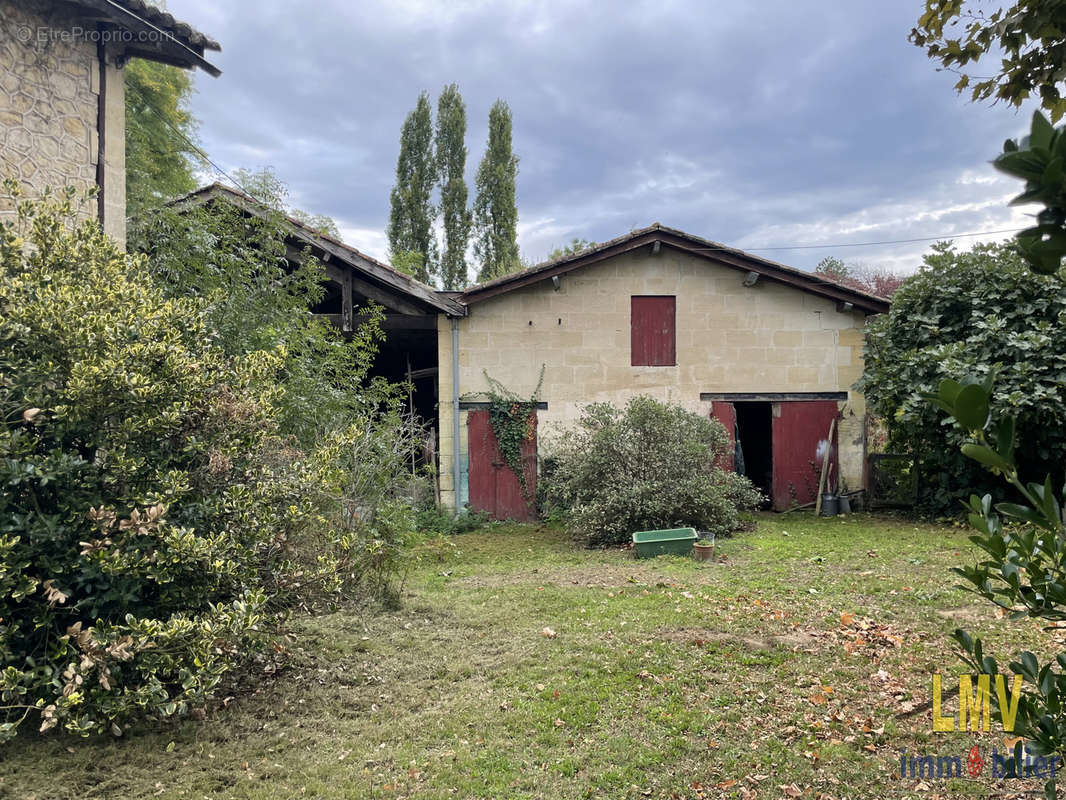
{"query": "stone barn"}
{"type": "Point", "coordinates": [771, 351]}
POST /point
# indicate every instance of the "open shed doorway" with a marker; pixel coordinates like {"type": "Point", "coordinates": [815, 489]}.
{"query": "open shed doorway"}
{"type": "Point", "coordinates": [753, 455]}
{"type": "Point", "coordinates": [785, 433]}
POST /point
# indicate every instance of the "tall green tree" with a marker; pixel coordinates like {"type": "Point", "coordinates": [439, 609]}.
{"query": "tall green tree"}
{"type": "Point", "coordinates": [495, 212]}
{"type": "Point", "coordinates": [160, 135]}
{"type": "Point", "coordinates": [451, 165]}
{"type": "Point", "coordinates": [411, 212]}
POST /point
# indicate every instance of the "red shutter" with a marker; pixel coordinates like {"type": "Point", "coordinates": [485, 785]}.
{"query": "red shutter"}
{"type": "Point", "coordinates": [652, 331]}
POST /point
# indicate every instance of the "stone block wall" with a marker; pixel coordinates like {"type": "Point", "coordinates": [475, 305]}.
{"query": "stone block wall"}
{"type": "Point", "coordinates": [50, 83]}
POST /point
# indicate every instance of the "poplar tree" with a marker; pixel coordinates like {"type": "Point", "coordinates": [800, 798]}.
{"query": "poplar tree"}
{"type": "Point", "coordinates": [411, 211]}
{"type": "Point", "coordinates": [451, 166]}
{"type": "Point", "coordinates": [495, 212]}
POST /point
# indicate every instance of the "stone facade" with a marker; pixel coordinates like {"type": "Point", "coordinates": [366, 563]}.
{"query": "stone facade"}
{"type": "Point", "coordinates": [50, 86]}
{"type": "Point", "coordinates": [730, 338]}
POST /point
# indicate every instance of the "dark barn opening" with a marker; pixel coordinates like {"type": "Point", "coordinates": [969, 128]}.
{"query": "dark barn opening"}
{"type": "Point", "coordinates": [755, 444]}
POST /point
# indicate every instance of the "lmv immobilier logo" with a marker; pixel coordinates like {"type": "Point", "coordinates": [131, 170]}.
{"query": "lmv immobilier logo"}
{"type": "Point", "coordinates": [975, 716]}
{"type": "Point", "coordinates": [975, 707]}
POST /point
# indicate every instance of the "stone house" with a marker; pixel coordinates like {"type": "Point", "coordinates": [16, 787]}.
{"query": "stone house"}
{"type": "Point", "coordinates": [62, 100]}
{"type": "Point", "coordinates": [771, 351]}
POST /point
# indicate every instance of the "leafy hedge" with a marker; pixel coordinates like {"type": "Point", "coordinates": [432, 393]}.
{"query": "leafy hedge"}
{"type": "Point", "coordinates": [155, 517]}
{"type": "Point", "coordinates": [647, 466]}
{"type": "Point", "coordinates": [971, 313]}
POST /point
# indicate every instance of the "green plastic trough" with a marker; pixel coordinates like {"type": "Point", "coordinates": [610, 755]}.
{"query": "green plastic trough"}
{"type": "Point", "coordinates": [674, 542]}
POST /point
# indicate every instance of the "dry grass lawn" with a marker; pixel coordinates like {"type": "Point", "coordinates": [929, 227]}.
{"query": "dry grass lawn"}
{"type": "Point", "coordinates": [523, 667]}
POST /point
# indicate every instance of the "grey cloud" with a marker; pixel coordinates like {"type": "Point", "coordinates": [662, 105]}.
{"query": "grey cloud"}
{"type": "Point", "coordinates": [742, 122]}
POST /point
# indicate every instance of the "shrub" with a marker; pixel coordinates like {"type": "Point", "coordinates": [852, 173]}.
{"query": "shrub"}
{"type": "Point", "coordinates": [964, 314]}
{"type": "Point", "coordinates": [155, 517]}
{"type": "Point", "coordinates": [647, 466]}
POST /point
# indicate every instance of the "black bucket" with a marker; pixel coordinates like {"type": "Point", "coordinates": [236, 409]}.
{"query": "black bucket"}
{"type": "Point", "coordinates": [830, 505]}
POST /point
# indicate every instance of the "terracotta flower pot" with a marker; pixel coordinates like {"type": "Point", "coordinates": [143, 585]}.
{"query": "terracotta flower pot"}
{"type": "Point", "coordinates": [703, 552]}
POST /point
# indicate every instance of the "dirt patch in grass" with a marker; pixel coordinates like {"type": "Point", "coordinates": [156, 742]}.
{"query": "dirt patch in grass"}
{"type": "Point", "coordinates": [604, 576]}
{"type": "Point", "coordinates": [798, 639]}
{"type": "Point", "coordinates": [969, 614]}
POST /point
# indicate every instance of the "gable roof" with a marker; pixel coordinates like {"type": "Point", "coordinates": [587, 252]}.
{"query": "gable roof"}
{"type": "Point", "coordinates": [160, 37]}
{"type": "Point", "coordinates": [410, 292]}
{"type": "Point", "coordinates": [662, 236]}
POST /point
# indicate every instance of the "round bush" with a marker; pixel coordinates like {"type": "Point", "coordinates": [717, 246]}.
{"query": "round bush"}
{"type": "Point", "coordinates": [647, 466]}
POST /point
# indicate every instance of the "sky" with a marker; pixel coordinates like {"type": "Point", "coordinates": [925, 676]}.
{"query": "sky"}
{"type": "Point", "coordinates": [761, 125]}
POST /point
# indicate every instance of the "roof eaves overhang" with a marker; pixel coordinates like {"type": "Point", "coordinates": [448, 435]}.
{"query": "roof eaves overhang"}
{"type": "Point", "coordinates": [678, 240]}
{"type": "Point", "coordinates": [160, 37]}
{"type": "Point", "coordinates": [425, 297]}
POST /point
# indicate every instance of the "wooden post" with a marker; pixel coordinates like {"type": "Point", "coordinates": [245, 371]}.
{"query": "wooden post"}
{"type": "Point", "coordinates": [825, 464]}
{"type": "Point", "coordinates": [346, 302]}
{"type": "Point", "coordinates": [411, 409]}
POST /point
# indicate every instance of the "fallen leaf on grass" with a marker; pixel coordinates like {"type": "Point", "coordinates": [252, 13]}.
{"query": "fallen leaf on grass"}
{"type": "Point", "coordinates": [548, 633]}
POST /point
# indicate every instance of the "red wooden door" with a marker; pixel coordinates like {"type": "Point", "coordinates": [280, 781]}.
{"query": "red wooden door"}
{"type": "Point", "coordinates": [800, 428]}
{"type": "Point", "coordinates": [493, 486]}
{"type": "Point", "coordinates": [726, 413]}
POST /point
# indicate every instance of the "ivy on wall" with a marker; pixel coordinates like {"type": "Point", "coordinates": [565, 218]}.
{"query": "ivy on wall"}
{"type": "Point", "coordinates": [512, 418]}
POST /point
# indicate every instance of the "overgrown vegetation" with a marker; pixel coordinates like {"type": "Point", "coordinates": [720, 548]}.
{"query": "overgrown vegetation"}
{"type": "Point", "coordinates": [256, 297]}
{"type": "Point", "coordinates": [964, 314]}
{"type": "Point", "coordinates": [169, 489]}
{"type": "Point", "coordinates": [1024, 570]}
{"type": "Point", "coordinates": [647, 466]}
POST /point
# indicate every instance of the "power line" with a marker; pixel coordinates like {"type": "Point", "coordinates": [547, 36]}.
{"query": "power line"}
{"type": "Point", "coordinates": [863, 244]}
{"type": "Point", "coordinates": [192, 145]}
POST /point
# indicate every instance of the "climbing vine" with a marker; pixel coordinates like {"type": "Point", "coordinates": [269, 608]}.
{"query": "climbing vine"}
{"type": "Point", "coordinates": [512, 418]}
